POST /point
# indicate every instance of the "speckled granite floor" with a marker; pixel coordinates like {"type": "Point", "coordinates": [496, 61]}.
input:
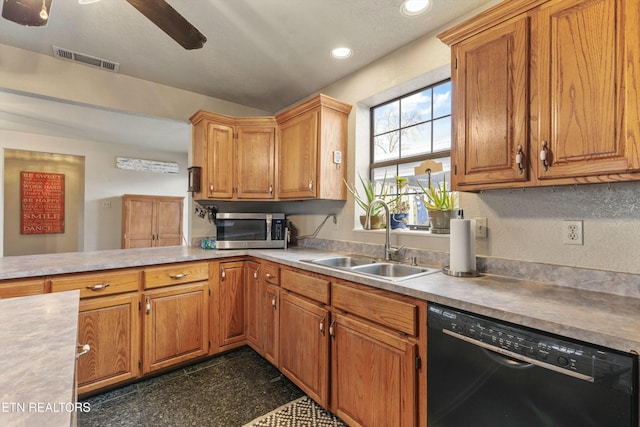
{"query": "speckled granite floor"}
{"type": "Point", "coordinates": [226, 391]}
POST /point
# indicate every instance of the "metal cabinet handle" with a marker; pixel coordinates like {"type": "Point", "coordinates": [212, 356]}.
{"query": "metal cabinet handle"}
{"type": "Point", "coordinates": [322, 326]}
{"type": "Point", "coordinates": [544, 154]}
{"type": "Point", "coordinates": [85, 349]}
{"type": "Point", "coordinates": [270, 276]}
{"type": "Point", "coordinates": [332, 328]}
{"type": "Point", "coordinates": [211, 187]}
{"type": "Point", "coordinates": [270, 188]}
{"type": "Point", "coordinates": [178, 276]}
{"type": "Point", "coordinates": [256, 273]}
{"type": "Point", "coordinates": [99, 286]}
{"type": "Point", "coordinates": [519, 160]}
{"type": "Point", "coordinates": [148, 305]}
{"type": "Point", "coordinates": [273, 303]}
{"type": "Point", "coordinates": [310, 185]}
{"type": "Point", "coordinates": [223, 274]}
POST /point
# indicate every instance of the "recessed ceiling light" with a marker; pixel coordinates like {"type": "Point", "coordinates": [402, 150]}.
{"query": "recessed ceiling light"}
{"type": "Point", "coordinates": [341, 52]}
{"type": "Point", "coordinates": [415, 7]}
{"type": "Point", "coordinates": [87, 1]}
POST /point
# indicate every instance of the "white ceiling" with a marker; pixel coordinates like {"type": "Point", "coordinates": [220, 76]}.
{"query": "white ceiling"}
{"type": "Point", "coordinates": [266, 54]}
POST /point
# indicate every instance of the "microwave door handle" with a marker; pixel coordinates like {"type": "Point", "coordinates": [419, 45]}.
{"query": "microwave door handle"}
{"type": "Point", "coordinates": [268, 222]}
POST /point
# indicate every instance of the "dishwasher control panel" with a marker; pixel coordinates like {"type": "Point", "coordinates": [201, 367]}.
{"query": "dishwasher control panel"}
{"type": "Point", "coordinates": [580, 359]}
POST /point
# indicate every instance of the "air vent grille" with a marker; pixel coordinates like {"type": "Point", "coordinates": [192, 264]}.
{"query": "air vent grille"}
{"type": "Point", "coordinates": [85, 59]}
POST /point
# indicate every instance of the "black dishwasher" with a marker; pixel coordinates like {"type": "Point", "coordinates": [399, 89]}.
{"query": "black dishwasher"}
{"type": "Point", "coordinates": [482, 372]}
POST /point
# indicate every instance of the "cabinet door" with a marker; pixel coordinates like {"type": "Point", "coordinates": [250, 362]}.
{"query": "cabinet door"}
{"type": "Point", "coordinates": [254, 305]}
{"type": "Point", "coordinates": [373, 375]}
{"type": "Point", "coordinates": [491, 105]}
{"type": "Point", "coordinates": [110, 325]}
{"type": "Point", "coordinates": [297, 148]}
{"type": "Point", "coordinates": [304, 346]}
{"type": "Point", "coordinates": [175, 325]}
{"type": "Point", "coordinates": [138, 218]}
{"type": "Point", "coordinates": [255, 154]}
{"type": "Point", "coordinates": [582, 82]}
{"type": "Point", "coordinates": [231, 308]}
{"type": "Point", "coordinates": [271, 322]}
{"type": "Point", "coordinates": [220, 170]}
{"type": "Point", "coordinates": [169, 222]}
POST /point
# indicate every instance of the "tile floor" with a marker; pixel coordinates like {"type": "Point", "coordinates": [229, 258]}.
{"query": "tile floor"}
{"type": "Point", "coordinates": [226, 391]}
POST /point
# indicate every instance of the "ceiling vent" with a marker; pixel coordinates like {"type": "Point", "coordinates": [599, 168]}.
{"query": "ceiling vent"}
{"type": "Point", "coordinates": [85, 59]}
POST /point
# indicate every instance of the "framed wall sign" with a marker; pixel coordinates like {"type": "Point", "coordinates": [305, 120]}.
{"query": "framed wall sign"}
{"type": "Point", "coordinates": [41, 203]}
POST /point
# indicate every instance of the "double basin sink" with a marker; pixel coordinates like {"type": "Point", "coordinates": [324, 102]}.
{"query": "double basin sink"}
{"type": "Point", "coordinates": [373, 267]}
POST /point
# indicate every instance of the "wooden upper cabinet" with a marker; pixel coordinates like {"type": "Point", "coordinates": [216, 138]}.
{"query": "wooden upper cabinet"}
{"type": "Point", "coordinates": [491, 105]}
{"type": "Point", "coordinates": [582, 77]}
{"type": "Point", "coordinates": [149, 221]}
{"type": "Point", "coordinates": [236, 156]}
{"type": "Point", "coordinates": [558, 78]}
{"type": "Point", "coordinates": [255, 157]}
{"type": "Point", "coordinates": [312, 146]}
{"type": "Point", "coordinates": [220, 164]}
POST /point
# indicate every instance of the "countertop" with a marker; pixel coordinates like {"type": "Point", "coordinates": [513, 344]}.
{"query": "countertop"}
{"type": "Point", "coordinates": [600, 318]}
{"type": "Point", "coordinates": [42, 329]}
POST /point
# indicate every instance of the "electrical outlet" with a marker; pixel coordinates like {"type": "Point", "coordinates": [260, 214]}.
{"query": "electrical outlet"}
{"type": "Point", "coordinates": [572, 232]}
{"type": "Point", "coordinates": [481, 228]}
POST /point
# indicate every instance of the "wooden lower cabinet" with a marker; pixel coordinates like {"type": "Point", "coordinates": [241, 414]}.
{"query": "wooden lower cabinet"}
{"type": "Point", "coordinates": [110, 326]}
{"type": "Point", "coordinates": [253, 304]}
{"type": "Point", "coordinates": [175, 325]}
{"type": "Point", "coordinates": [373, 375]}
{"type": "Point", "coordinates": [21, 287]}
{"type": "Point", "coordinates": [304, 345]}
{"type": "Point", "coordinates": [270, 318]}
{"type": "Point", "coordinates": [229, 314]}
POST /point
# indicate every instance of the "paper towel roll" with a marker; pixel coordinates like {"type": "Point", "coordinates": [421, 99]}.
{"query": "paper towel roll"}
{"type": "Point", "coordinates": [462, 246]}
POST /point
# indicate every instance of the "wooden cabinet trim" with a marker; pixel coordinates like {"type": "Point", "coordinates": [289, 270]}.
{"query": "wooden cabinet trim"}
{"type": "Point", "coordinates": [12, 288]}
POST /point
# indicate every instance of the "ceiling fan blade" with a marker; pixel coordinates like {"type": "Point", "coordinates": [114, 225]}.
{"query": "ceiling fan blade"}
{"type": "Point", "coordinates": [171, 22]}
{"type": "Point", "coordinates": [30, 13]}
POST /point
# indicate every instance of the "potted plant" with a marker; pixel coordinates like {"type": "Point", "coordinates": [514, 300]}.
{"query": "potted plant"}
{"type": "Point", "coordinates": [399, 206]}
{"type": "Point", "coordinates": [440, 204]}
{"type": "Point", "coordinates": [368, 188]}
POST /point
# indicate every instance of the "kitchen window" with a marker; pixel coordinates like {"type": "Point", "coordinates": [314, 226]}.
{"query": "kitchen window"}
{"type": "Point", "coordinates": [405, 132]}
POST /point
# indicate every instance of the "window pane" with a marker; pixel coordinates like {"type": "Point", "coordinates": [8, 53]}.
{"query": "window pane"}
{"type": "Point", "coordinates": [387, 147]}
{"type": "Point", "coordinates": [386, 118]}
{"type": "Point", "coordinates": [442, 100]}
{"type": "Point", "coordinates": [416, 108]}
{"type": "Point", "coordinates": [442, 134]}
{"type": "Point", "coordinates": [384, 180]}
{"type": "Point", "coordinates": [416, 140]}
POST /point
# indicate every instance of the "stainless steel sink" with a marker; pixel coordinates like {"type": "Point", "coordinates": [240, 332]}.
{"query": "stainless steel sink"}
{"type": "Point", "coordinates": [342, 261]}
{"type": "Point", "coordinates": [373, 267]}
{"type": "Point", "coordinates": [393, 271]}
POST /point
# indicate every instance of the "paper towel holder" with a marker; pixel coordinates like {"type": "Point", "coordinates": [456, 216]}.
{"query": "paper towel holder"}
{"type": "Point", "coordinates": [449, 272]}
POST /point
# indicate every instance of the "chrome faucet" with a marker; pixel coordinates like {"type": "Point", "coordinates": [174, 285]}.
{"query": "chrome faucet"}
{"type": "Point", "coordinates": [388, 250]}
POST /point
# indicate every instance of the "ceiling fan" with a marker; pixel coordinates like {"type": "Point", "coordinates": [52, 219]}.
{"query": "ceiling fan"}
{"type": "Point", "coordinates": [36, 13]}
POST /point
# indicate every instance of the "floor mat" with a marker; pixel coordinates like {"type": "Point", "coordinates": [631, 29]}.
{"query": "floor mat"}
{"type": "Point", "coordinates": [302, 412]}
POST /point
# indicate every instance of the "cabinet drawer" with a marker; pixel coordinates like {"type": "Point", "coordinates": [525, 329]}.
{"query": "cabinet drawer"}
{"type": "Point", "coordinates": [98, 284]}
{"type": "Point", "coordinates": [21, 287]}
{"type": "Point", "coordinates": [175, 274]}
{"type": "Point", "coordinates": [307, 284]}
{"type": "Point", "coordinates": [271, 273]}
{"type": "Point", "coordinates": [377, 306]}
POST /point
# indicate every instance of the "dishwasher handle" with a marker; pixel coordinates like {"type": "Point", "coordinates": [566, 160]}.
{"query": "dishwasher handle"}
{"type": "Point", "coordinates": [520, 357]}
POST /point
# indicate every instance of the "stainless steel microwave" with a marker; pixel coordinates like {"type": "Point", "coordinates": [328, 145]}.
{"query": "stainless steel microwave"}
{"type": "Point", "coordinates": [250, 230]}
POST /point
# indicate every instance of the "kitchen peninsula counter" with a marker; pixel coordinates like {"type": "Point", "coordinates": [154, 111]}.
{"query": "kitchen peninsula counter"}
{"type": "Point", "coordinates": [601, 318]}
{"type": "Point", "coordinates": [40, 329]}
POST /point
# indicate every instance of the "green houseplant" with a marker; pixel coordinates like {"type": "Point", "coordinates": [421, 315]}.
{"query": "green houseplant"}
{"type": "Point", "coordinates": [440, 203]}
{"type": "Point", "coordinates": [365, 199]}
